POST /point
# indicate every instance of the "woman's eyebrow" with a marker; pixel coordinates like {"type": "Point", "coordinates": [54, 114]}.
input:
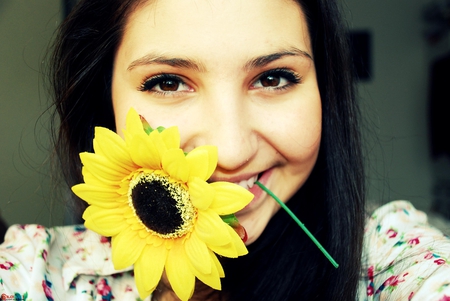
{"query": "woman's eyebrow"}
{"type": "Point", "coordinates": [256, 62]}
{"type": "Point", "coordinates": [150, 59]}
{"type": "Point", "coordinates": [263, 60]}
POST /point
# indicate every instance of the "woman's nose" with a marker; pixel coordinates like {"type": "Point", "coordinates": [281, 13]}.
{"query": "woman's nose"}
{"type": "Point", "coordinates": [228, 125]}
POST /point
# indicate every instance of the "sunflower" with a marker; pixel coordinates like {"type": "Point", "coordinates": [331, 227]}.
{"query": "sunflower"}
{"type": "Point", "coordinates": [155, 203]}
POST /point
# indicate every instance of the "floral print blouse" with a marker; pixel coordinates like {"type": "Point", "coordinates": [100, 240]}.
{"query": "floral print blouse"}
{"type": "Point", "coordinates": [404, 259]}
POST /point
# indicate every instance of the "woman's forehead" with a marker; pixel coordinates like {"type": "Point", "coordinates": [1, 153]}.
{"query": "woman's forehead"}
{"type": "Point", "coordinates": [208, 28]}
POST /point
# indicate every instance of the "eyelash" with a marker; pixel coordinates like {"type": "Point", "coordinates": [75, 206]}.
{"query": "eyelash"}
{"type": "Point", "coordinates": [292, 78]}
{"type": "Point", "coordinates": [150, 83]}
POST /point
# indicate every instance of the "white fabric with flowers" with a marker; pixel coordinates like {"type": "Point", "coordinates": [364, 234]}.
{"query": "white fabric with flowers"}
{"type": "Point", "coordinates": [404, 259]}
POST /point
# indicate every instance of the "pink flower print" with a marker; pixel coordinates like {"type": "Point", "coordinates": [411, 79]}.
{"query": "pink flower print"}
{"type": "Point", "coordinates": [392, 282]}
{"type": "Point", "coordinates": [73, 285]}
{"type": "Point", "coordinates": [445, 298]}
{"type": "Point", "coordinates": [128, 288]}
{"type": "Point", "coordinates": [104, 290]}
{"type": "Point", "coordinates": [370, 272]}
{"type": "Point", "coordinates": [410, 296]}
{"type": "Point", "coordinates": [370, 290]}
{"type": "Point", "coordinates": [429, 255]}
{"type": "Point", "coordinates": [414, 241]}
{"type": "Point", "coordinates": [391, 233]}
{"type": "Point", "coordinates": [44, 254]}
{"type": "Point", "coordinates": [7, 265]}
{"type": "Point", "coordinates": [38, 233]}
{"type": "Point", "coordinates": [104, 240]}
{"type": "Point", "coordinates": [78, 233]}
{"type": "Point", "coordinates": [83, 252]}
{"type": "Point", "coordinates": [47, 287]}
{"type": "Point", "coordinates": [440, 261]}
{"type": "Point", "coordinates": [370, 287]}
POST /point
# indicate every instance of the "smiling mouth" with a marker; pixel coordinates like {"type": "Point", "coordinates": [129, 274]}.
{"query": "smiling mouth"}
{"type": "Point", "coordinates": [247, 184]}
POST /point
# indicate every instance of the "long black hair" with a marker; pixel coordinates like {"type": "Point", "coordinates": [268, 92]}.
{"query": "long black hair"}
{"type": "Point", "coordinates": [283, 264]}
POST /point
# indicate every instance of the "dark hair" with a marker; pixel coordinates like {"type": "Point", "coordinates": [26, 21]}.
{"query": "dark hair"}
{"type": "Point", "coordinates": [80, 73]}
{"type": "Point", "coordinates": [283, 264]}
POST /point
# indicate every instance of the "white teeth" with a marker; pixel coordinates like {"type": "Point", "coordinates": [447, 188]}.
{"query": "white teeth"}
{"type": "Point", "coordinates": [251, 182]}
{"type": "Point", "coordinates": [247, 184]}
{"type": "Point", "coordinates": [243, 183]}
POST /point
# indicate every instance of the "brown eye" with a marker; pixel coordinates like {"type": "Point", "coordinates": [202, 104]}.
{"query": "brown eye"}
{"type": "Point", "coordinates": [169, 85]}
{"type": "Point", "coordinates": [165, 83]}
{"type": "Point", "coordinates": [276, 79]}
{"type": "Point", "coordinates": [270, 81]}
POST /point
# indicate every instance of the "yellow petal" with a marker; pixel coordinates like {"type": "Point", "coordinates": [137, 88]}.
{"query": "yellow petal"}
{"type": "Point", "coordinates": [149, 268]}
{"type": "Point", "coordinates": [211, 229]}
{"type": "Point", "coordinates": [154, 240]}
{"type": "Point", "coordinates": [202, 161]}
{"type": "Point", "coordinates": [110, 145]}
{"type": "Point", "coordinates": [133, 124]}
{"type": "Point", "coordinates": [144, 152]}
{"type": "Point", "coordinates": [198, 254]}
{"type": "Point", "coordinates": [100, 196]}
{"type": "Point", "coordinates": [230, 198]}
{"type": "Point", "coordinates": [138, 227]}
{"type": "Point", "coordinates": [212, 279]}
{"type": "Point", "coordinates": [124, 186]}
{"type": "Point", "coordinates": [127, 246]}
{"type": "Point", "coordinates": [129, 214]}
{"type": "Point", "coordinates": [178, 272]}
{"type": "Point", "coordinates": [169, 243]}
{"type": "Point", "coordinates": [106, 222]}
{"type": "Point", "coordinates": [102, 167]}
{"type": "Point", "coordinates": [92, 179]}
{"type": "Point", "coordinates": [201, 193]}
{"type": "Point", "coordinates": [171, 137]}
{"type": "Point", "coordinates": [233, 249]}
{"type": "Point", "coordinates": [228, 250]}
{"type": "Point", "coordinates": [158, 141]}
{"type": "Point", "coordinates": [237, 242]}
{"type": "Point", "coordinates": [143, 234]}
{"type": "Point", "coordinates": [217, 264]}
{"type": "Point", "coordinates": [174, 163]}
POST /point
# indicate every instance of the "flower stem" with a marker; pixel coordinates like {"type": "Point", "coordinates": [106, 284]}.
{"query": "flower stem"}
{"type": "Point", "coordinates": [295, 218]}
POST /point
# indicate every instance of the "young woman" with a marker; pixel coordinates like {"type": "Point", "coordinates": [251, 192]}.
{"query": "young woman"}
{"type": "Point", "coordinates": [267, 82]}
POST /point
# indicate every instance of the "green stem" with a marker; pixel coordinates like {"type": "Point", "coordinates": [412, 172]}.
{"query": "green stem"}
{"type": "Point", "coordinates": [295, 218]}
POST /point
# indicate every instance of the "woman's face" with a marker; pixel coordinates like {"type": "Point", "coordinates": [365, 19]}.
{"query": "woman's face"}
{"type": "Point", "coordinates": [236, 74]}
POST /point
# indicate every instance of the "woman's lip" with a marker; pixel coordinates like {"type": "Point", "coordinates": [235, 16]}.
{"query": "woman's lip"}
{"type": "Point", "coordinates": [235, 179]}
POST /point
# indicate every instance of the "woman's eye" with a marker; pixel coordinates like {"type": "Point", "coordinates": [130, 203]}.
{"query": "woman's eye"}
{"type": "Point", "coordinates": [276, 79]}
{"type": "Point", "coordinates": [165, 84]}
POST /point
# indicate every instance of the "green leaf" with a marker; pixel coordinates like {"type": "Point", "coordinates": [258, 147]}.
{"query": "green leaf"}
{"type": "Point", "coordinates": [230, 219]}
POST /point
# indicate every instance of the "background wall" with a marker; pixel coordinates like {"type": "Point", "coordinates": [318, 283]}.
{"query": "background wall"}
{"type": "Point", "coordinates": [26, 27]}
{"type": "Point", "coordinates": [394, 104]}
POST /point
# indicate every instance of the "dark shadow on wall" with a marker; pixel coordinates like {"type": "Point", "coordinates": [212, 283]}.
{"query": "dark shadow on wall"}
{"type": "Point", "coordinates": [3, 228]}
{"type": "Point", "coordinates": [68, 5]}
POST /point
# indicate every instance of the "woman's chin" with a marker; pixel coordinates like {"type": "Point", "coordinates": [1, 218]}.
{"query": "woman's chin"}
{"type": "Point", "coordinates": [253, 226]}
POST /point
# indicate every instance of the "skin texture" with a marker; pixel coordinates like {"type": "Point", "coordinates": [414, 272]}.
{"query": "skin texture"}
{"type": "Point", "coordinates": [263, 124]}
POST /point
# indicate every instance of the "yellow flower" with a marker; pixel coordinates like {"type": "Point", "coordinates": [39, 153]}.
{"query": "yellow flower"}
{"type": "Point", "coordinates": [155, 203]}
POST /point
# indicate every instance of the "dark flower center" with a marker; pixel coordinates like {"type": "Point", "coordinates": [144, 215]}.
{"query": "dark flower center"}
{"type": "Point", "coordinates": [161, 205]}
